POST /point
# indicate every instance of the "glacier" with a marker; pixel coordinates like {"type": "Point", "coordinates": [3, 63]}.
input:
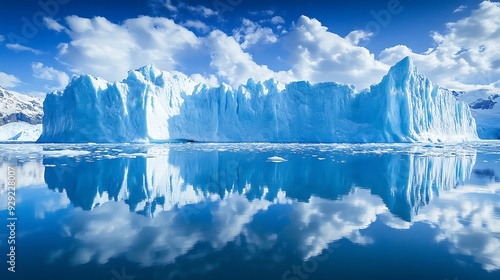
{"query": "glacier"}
{"type": "Point", "coordinates": [485, 110]}
{"type": "Point", "coordinates": [20, 131]}
{"type": "Point", "coordinates": [20, 116]}
{"type": "Point", "coordinates": [159, 106]}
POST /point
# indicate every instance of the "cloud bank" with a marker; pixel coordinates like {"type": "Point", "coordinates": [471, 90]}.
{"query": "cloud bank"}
{"type": "Point", "coordinates": [464, 56]}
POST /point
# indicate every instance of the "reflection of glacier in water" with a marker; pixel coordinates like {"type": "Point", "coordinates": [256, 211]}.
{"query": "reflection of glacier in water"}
{"type": "Point", "coordinates": [404, 182]}
{"type": "Point", "coordinates": [329, 192]}
{"type": "Point", "coordinates": [221, 196]}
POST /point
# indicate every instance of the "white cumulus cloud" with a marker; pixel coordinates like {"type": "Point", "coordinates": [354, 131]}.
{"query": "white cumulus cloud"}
{"type": "Point", "coordinates": [171, 7]}
{"type": "Point", "coordinates": [21, 48]}
{"type": "Point", "coordinates": [319, 55]}
{"type": "Point", "coordinates": [211, 80]}
{"type": "Point", "coordinates": [251, 33]}
{"type": "Point", "coordinates": [460, 9]}
{"type": "Point", "coordinates": [197, 25]}
{"type": "Point", "coordinates": [8, 81]}
{"type": "Point", "coordinates": [109, 50]}
{"type": "Point", "coordinates": [236, 65]}
{"type": "Point", "coordinates": [262, 13]}
{"type": "Point", "coordinates": [202, 10]}
{"type": "Point", "coordinates": [58, 79]}
{"type": "Point", "coordinates": [277, 20]}
{"type": "Point", "coordinates": [466, 56]}
{"type": "Point", "coordinates": [357, 36]}
{"type": "Point", "coordinates": [53, 25]}
{"type": "Point", "coordinates": [176, 7]}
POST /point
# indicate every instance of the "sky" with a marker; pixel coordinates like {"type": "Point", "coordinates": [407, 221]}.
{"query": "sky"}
{"type": "Point", "coordinates": [43, 43]}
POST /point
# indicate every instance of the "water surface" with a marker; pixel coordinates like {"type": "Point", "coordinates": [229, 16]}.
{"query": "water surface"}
{"type": "Point", "coordinates": [254, 211]}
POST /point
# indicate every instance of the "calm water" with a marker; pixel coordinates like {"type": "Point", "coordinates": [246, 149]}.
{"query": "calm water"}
{"type": "Point", "coordinates": [253, 211]}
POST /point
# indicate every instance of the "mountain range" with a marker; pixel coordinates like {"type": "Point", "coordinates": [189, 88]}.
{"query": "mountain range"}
{"type": "Point", "coordinates": [20, 116]}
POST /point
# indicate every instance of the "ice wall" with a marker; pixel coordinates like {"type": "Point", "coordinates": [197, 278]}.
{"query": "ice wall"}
{"type": "Point", "coordinates": [156, 106]}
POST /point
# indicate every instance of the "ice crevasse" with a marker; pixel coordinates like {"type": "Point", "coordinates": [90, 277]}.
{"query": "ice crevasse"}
{"type": "Point", "coordinates": [156, 106]}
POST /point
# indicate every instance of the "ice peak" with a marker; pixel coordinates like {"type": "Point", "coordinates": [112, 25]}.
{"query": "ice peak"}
{"type": "Point", "coordinates": [251, 82]}
{"type": "Point", "coordinates": [403, 66]}
{"type": "Point", "coordinates": [402, 71]}
{"type": "Point", "coordinates": [149, 72]}
{"type": "Point", "coordinates": [91, 81]}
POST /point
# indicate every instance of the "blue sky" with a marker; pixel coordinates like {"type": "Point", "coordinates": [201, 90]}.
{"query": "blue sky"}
{"type": "Point", "coordinates": [43, 43]}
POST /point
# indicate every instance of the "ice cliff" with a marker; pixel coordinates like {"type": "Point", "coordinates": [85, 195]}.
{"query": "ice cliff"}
{"type": "Point", "coordinates": [154, 106]}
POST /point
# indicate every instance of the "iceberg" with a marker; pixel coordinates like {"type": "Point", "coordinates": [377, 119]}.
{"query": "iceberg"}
{"type": "Point", "coordinates": [159, 106]}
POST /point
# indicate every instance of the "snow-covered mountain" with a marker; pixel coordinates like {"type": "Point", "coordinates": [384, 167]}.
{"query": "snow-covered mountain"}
{"type": "Point", "coordinates": [20, 131]}
{"type": "Point", "coordinates": [152, 105]}
{"type": "Point", "coordinates": [485, 109]}
{"type": "Point", "coordinates": [20, 116]}
{"type": "Point", "coordinates": [16, 107]}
